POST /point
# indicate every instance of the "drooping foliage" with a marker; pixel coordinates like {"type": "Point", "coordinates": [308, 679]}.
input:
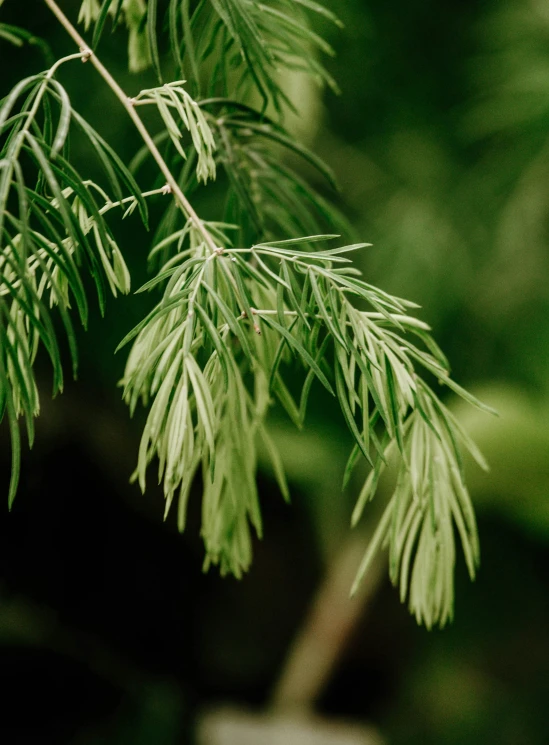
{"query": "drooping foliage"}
{"type": "Point", "coordinates": [245, 303]}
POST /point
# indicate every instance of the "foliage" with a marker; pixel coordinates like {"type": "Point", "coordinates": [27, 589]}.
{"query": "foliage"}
{"type": "Point", "coordinates": [246, 299]}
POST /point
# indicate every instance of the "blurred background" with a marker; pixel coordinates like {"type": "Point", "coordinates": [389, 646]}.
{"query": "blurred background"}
{"type": "Point", "coordinates": [109, 631]}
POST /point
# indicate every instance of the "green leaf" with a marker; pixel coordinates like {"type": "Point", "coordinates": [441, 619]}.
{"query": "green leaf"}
{"type": "Point", "coordinates": [279, 136]}
{"type": "Point", "coordinates": [204, 403]}
{"type": "Point", "coordinates": [114, 167]}
{"type": "Point", "coordinates": [296, 241]}
{"type": "Point", "coordinates": [346, 409]}
{"type": "Point", "coordinates": [294, 344]}
{"type": "Point", "coordinates": [276, 461]}
{"type": "Point", "coordinates": [215, 337]}
{"type": "Point", "coordinates": [231, 321]}
{"type": "Point", "coordinates": [106, 8]}
{"type": "Point", "coordinates": [285, 398]}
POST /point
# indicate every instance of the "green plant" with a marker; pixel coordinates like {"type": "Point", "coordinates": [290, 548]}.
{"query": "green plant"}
{"type": "Point", "coordinates": [243, 297]}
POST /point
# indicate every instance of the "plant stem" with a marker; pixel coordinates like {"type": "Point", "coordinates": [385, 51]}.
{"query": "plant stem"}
{"type": "Point", "coordinates": [136, 119]}
{"type": "Point", "coordinates": [127, 200]}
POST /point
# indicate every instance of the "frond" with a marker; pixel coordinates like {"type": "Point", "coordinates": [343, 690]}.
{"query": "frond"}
{"type": "Point", "coordinates": [267, 197]}
{"type": "Point", "coordinates": [52, 234]}
{"type": "Point", "coordinates": [250, 43]}
{"type": "Point", "coordinates": [264, 40]}
{"type": "Point", "coordinates": [255, 310]}
{"type": "Point", "coordinates": [174, 97]}
{"type": "Point", "coordinates": [430, 502]}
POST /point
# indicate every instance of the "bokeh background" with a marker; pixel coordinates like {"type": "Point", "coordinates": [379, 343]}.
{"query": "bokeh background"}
{"type": "Point", "coordinates": [109, 631]}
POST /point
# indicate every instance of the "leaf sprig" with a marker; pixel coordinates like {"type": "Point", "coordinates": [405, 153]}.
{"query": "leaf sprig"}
{"type": "Point", "coordinates": [247, 43]}
{"type": "Point", "coordinates": [268, 198]}
{"type": "Point", "coordinates": [50, 234]}
{"type": "Point", "coordinates": [211, 357]}
{"type": "Point", "coordinates": [174, 96]}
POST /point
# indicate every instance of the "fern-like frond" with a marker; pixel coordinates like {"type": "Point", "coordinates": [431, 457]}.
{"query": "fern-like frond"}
{"type": "Point", "coordinates": [430, 502]}
{"type": "Point", "coordinates": [252, 311]}
{"type": "Point", "coordinates": [250, 44]}
{"type": "Point", "coordinates": [173, 96]}
{"type": "Point", "coordinates": [270, 39]}
{"type": "Point", "coordinates": [52, 234]}
{"type": "Point", "coordinates": [267, 196]}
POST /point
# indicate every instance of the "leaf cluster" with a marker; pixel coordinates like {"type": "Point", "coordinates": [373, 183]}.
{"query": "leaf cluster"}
{"type": "Point", "coordinates": [226, 48]}
{"type": "Point", "coordinates": [52, 235]}
{"type": "Point", "coordinates": [214, 353]}
{"type": "Point", "coordinates": [268, 197]}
